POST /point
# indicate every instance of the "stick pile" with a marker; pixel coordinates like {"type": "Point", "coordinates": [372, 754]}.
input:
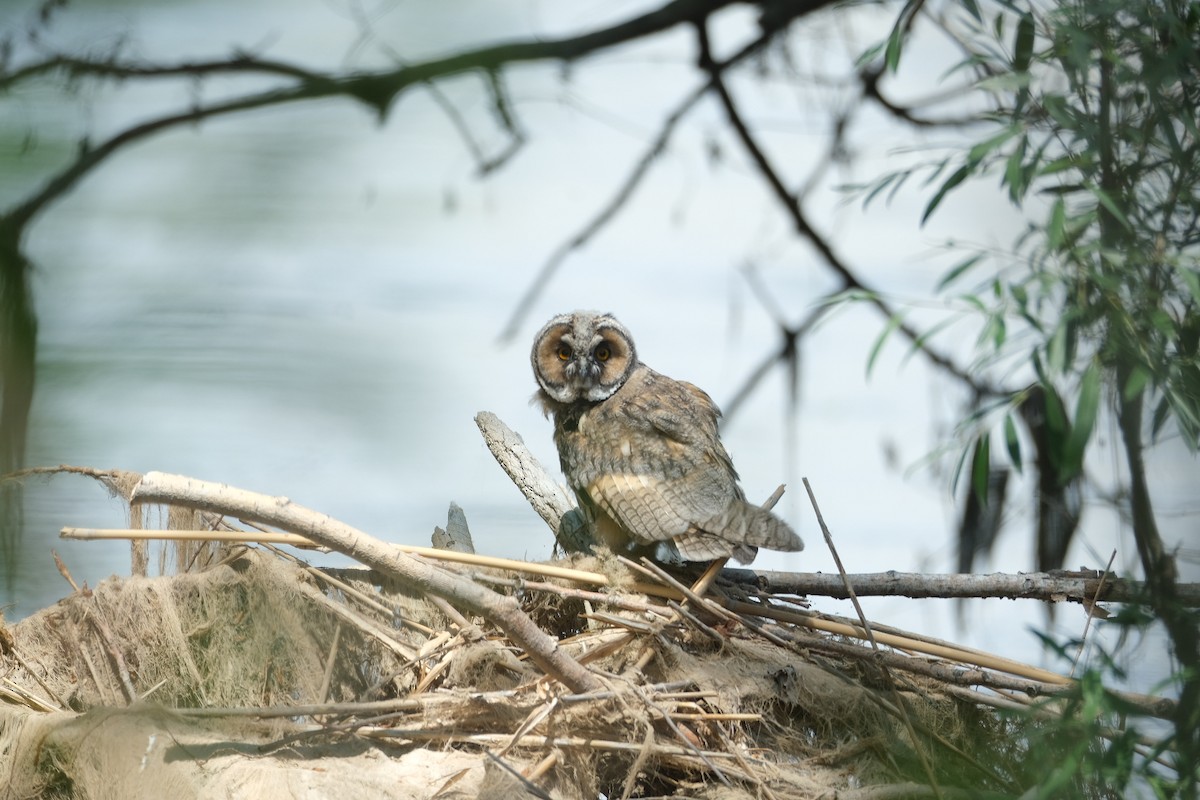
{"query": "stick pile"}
{"type": "Point", "coordinates": [591, 676]}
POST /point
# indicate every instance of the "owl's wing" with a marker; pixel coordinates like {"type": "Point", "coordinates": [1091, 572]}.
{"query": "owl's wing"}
{"type": "Point", "coordinates": [674, 479]}
{"type": "Point", "coordinates": [652, 508]}
{"type": "Point", "coordinates": [662, 475]}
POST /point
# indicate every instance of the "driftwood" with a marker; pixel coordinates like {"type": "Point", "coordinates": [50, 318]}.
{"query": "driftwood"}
{"type": "Point", "coordinates": [552, 503]}
{"type": "Point", "coordinates": [504, 611]}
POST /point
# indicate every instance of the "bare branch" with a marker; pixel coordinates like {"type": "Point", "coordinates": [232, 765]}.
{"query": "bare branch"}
{"type": "Point", "coordinates": [870, 86]}
{"type": "Point", "coordinates": [377, 90]}
{"type": "Point", "coordinates": [604, 216]}
{"type": "Point", "coordinates": [1082, 586]}
{"type": "Point", "coordinates": [774, 18]}
{"type": "Point", "coordinates": [75, 67]}
{"type": "Point", "coordinates": [791, 205]}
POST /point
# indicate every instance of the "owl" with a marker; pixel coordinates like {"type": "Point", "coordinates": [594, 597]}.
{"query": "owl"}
{"type": "Point", "coordinates": [641, 450]}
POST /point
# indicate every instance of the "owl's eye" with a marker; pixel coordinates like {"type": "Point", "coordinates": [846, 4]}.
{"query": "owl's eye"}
{"type": "Point", "coordinates": [563, 352]}
{"type": "Point", "coordinates": [602, 352]}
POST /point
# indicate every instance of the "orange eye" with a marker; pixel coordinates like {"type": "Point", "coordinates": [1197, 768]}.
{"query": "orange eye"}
{"type": "Point", "coordinates": [563, 352]}
{"type": "Point", "coordinates": [602, 352]}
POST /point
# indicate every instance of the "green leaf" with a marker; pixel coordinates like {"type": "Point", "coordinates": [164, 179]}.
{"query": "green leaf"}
{"type": "Point", "coordinates": [1164, 323]}
{"type": "Point", "coordinates": [869, 56]}
{"type": "Point", "coordinates": [1161, 412]}
{"type": "Point", "coordinates": [1004, 83]}
{"type": "Point", "coordinates": [1110, 204]}
{"type": "Point", "coordinates": [974, 302]}
{"type": "Point", "coordinates": [1014, 172]}
{"type": "Point", "coordinates": [1040, 369]}
{"type": "Point", "coordinates": [993, 331]}
{"type": "Point", "coordinates": [891, 56]}
{"type": "Point", "coordinates": [1056, 420]}
{"type": "Point", "coordinates": [981, 467]}
{"type": "Point", "coordinates": [1191, 279]}
{"type": "Point", "coordinates": [918, 343]}
{"type": "Point", "coordinates": [1064, 116]}
{"type": "Point", "coordinates": [1057, 165]}
{"type": "Point", "coordinates": [954, 180]}
{"type": "Point", "coordinates": [957, 271]}
{"type": "Point", "coordinates": [895, 180]}
{"type": "Point", "coordinates": [958, 470]}
{"type": "Point", "coordinates": [1085, 420]}
{"type": "Point", "coordinates": [1057, 353]}
{"type": "Point", "coordinates": [1012, 443]}
{"type": "Point", "coordinates": [1023, 46]}
{"type": "Point", "coordinates": [979, 151]}
{"type": "Point", "coordinates": [892, 324]}
{"type": "Point", "coordinates": [895, 42]}
{"type": "Point", "coordinates": [1056, 228]}
{"type": "Point", "coordinates": [1136, 383]}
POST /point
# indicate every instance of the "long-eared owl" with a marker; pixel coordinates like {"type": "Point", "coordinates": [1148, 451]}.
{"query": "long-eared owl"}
{"type": "Point", "coordinates": [641, 450]}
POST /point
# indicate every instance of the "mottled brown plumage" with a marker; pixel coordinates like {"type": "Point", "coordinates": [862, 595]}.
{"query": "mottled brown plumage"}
{"type": "Point", "coordinates": [641, 450]}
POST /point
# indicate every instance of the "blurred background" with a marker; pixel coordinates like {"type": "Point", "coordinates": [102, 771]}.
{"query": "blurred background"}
{"type": "Point", "coordinates": [311, 301]}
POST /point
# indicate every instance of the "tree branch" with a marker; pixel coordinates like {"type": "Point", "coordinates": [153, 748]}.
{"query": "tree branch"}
{"type": "Point", "coordinates": [869, 79]}
{"type": "Point", "coordinates": [377, 90]}
{"type": "Point", "coordinates": [1081, 586]}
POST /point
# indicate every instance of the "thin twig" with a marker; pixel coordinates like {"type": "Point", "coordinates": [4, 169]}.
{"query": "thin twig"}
{"type": "Point", "coordinates": [1091, 612]}
{"type": "Point", "coordinates": [887, 676]}
{"type": "Point", "coordinates": [792, 206]}
{"type": "Point", "coordinates": [62, 570]}
{"type": "Point", "coordinates": [620, 197]}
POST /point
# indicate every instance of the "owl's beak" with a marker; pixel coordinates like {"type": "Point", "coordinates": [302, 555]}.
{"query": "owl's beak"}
{"type": "Point", "coordinates": [583, 371]}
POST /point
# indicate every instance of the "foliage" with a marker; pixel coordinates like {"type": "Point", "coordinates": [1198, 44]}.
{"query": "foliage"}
{"type": "Point", "coordinates": [1091, 131]}
{"type": "Point", "coordinates": [1094, 742]}
{"type": "Point", "coordinates": [1094, 109]}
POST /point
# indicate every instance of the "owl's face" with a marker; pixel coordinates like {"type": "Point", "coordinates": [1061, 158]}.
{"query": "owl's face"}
{"type": "Point", "coordinates": [582, 356]}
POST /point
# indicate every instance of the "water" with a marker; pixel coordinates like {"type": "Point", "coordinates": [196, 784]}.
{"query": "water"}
{"type": "Point", "coordinates": [305, 301]}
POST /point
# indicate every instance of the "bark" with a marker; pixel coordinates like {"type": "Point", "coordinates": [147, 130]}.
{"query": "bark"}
{"type": "Point", "coordinates": [1081, 586]}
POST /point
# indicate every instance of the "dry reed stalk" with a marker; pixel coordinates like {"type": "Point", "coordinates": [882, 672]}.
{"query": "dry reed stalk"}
{"type": "Point", "coordinates": [542, 767]}
{"type": "Point", "coordinates": [14, 655]}
{"type": "Point", "coordinates": [674, 590]}
{"type": "Point", "coordinates": [889, 680]}
{"type": "Point", "coordinates": [296, 540]}
{"type": "Point", "coordinates": [15, 693]}
{"type": "Point", "coordinates": [951, 653]}
{"type": "Point", "coordinates": [435, 672]}
{"type": "Point", "coordinates": [327, 678]}
{"type": "Point", "coordinates": [204, 535]}
{"type": "Point", "coordinates": [415, 703]}
{"type": "Point", "coordinates": [531, 721]}
{"type": "Point", "coordinates": [114, 653]}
